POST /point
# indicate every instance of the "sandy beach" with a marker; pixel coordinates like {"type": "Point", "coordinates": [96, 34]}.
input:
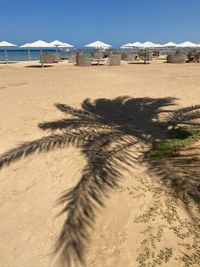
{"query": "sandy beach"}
{"type": "Point", "coordinates": [31, 186]}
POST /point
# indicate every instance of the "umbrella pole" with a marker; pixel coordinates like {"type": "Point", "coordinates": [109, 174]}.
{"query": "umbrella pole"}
{"type": "Point", "coordinates": [41, 57]}
{"type": "Point", "coordinates": [57, 52]}
{"type": "Point", "coordinates": [6, 56]}
{"type": "Point", "coordinates": [29, 54]}
{"type": "Point", "coordinates": [145, 62]}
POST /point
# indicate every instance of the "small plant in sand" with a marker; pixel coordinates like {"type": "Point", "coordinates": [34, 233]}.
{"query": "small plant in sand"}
{"type": "Point", "coordinates": [167, 212]}
{"type": "Point", "coordinates": [112, 135]}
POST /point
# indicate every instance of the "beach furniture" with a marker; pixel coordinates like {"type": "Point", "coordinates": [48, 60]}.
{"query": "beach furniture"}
{"type": "Point", "coordinates": [146, 56]}
{"type": "Point", "coordinates": [130, 57]}
{"type": "Point", "coordinates": [115, 60]}
{"type": "Point", "coordinates": [176, 58]}
{"type": "Point", "coordinates": [71, 58]}
{"type": "Point", "coordinates": [83, 60]}
{"type": "Point", "coordinates": [193, 56]}
{"type": "Point", "coordinates": [49, 58]}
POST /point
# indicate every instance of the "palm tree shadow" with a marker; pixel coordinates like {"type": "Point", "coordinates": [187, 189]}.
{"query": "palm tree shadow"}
{"type": "Point", "coordinates": [112, 134]}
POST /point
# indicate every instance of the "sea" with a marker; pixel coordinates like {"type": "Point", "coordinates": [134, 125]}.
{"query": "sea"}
{"type": "Point", "coordinates": [22, 55]}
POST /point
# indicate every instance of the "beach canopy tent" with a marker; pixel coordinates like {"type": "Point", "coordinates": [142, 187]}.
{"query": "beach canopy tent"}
{"type": "Point", "coordinates": [98, 44]}
{"type": "Point", "coordinates": [27, 46]}
{"type": "Point", "coordinates": [187, 44]}
{"type": "Point", "coordinates": [40, 44]}
{"type": "Point", "coordinates": [170, 44]}
{"type": "Point", "coordinates": [5, 44]}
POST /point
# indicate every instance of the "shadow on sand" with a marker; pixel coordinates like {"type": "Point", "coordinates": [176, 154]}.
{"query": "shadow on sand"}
{"type": "Point", "coordinates": [39, 66]}
{"type": "Point", "coordinates": [107, 131]}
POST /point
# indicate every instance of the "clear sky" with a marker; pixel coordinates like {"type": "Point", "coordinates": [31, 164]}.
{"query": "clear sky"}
{"type": "Point", "coordinates": [115, 22]}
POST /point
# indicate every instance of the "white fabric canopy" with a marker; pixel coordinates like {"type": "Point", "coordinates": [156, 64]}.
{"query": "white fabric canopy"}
{"type": "Point", "coordinates": [6, 44]}
{"type": "Point", "coordinates": [66, 45]}
{"type": "Point", "coordinates": [187, 44]}
{"type": "Point", "coordinates": [128, 45]}
{"type": "Point", "coordinates": [40, 44]}
{"type": "Point", "coordinates": [98, 44]}
{"type": "Point", "coordinates": [56, 43]}
{"type": "Point", "coordinates": [170, 44]}
{"type": "Point", "coordinates": [136, 44]}
{"type": "Point", "coordinates": [25, 45]}
{"type": "Point", "coordinates": [148, 45]}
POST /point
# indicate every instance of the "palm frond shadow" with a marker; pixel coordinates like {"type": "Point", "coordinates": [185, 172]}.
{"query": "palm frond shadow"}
{"type": "Point", "coordinates": [107, 131]}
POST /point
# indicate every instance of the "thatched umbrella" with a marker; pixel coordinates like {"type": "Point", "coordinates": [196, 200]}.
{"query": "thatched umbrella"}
{"type": "Point", "coordinates": [5, 44]}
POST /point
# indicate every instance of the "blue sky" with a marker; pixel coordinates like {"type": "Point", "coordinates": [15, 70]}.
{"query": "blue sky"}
{"type": "Point", "coordinates": [115, 22]}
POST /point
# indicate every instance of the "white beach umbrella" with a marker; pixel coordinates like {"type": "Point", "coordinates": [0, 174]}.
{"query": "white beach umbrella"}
{"type": "Point", "coordinates": [40, 44]}
{"type": "Point", "coordinates": [57, 44]}
{"type": "Point", "coordinates": [27, 46]}
{"type": "Point", "coordinates": [187, 44]}
{"type": "Point", "coordinates": [129, 45]}
{"type": "Point", "coordinates": [98, 44]}
{"type": "Point", "coordinates": [136, 44]}
{"type": "Point", "coordinates": [65, 45]}
{"type": "Point", "coordinates": [5, 44]}
{"type": "Point", "coordinates": [170, 44]}
{"type": "Point", "coordinates": [147, 45]}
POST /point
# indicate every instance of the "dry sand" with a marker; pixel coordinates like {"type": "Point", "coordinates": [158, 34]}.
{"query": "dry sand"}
{"type": "Point", "coordinates": [31, 187]}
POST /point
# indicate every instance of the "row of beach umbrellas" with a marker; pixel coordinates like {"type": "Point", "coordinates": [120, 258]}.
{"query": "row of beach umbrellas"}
{"type": "Point", "coordinates": [38, 44]}
{"type": "Point", "coordinates": [98, 44]}
{"type": "Point", "coordinates": [41, 44]}
{"type": "Point", "coordinates": [153, 45]}
{"type": "Point", "coordinates": [148, 45]}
